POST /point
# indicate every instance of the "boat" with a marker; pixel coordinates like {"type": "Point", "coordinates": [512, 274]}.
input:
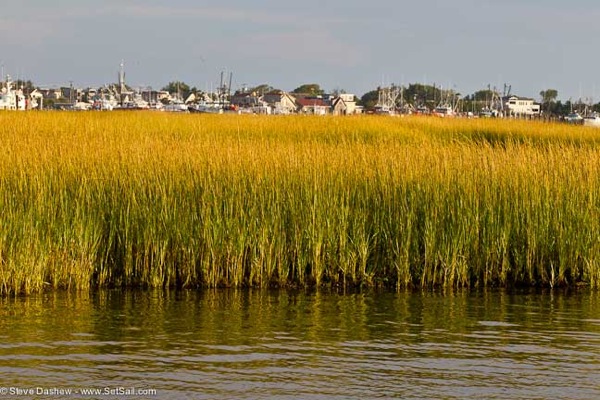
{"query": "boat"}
{"type": "Point", "coordinates": [206, 108]}
{"type": "Point", "coordinates": [383, 109]}
{"type": "Point", "coordinates": [155, 105]}
{"type": "Point", "coordinates": [443, 111]}
{"type": "Point", "coordinates": [81, 106]}
{"type": "Point", "coordinates": [574, 118]}
{"type": "Point", "coordinates": [133, 101]}
{"type": "Point", "coordinates": [422, 110]}
{"type": "Point", "coordinates": [11, 99]}
{"type": "Point", "coordinates": [175, 106]}
{"type": "Point", "coordinates": [489, 113]}
{"type": "Point", "coordinates": [592, 120]}
{"type": "Point", "coordinates": [486, 113]}
{"type": "Point", "coordinates": [104, 104]}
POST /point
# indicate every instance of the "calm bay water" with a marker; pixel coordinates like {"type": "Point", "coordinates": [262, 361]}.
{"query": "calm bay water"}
{"type": "Point", "coordinates": [228, 344]}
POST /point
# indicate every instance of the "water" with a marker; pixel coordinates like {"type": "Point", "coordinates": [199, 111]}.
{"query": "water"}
{"type": "Point", "coordinates": [229, 344]}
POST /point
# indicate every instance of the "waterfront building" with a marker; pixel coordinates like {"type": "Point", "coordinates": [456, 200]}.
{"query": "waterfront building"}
{"type": "Point", "coordinates": [522, 107]}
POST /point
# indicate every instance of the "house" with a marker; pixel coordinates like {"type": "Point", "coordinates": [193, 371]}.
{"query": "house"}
{"type": "Point", "coordinates": [50, 93]}
{"type": "Point", "coordinates": [312, 105]}
{"type": "Point", "coordinates": [281, 102]}
{"type": "Point", "coordinates": [245, 99]}
{"type": "Point", "coordinates": [339, 106]}
{"type": "Point", "coordinates": [522, 106]}
{"type": "Point", "coordinates": [155, 96]}
{"type": "Point", "coordinates": [344, 104]}
{"type": "Point", "coordinates": [72, 94]}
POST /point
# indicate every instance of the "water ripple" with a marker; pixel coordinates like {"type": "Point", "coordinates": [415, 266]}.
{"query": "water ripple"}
{"type": "Point", "coordinates": [379, 346]}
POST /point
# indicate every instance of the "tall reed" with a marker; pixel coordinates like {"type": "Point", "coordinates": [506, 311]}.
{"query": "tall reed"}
{"type": "Point", "coordinates": [152, 199]}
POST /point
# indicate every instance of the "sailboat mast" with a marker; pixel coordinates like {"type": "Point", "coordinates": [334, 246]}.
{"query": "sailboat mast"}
{"type": "Point", "coordinates": [229, 86]}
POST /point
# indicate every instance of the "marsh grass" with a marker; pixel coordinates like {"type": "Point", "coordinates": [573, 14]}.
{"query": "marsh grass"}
{"type": "Point", "coordinates": [151, 200]}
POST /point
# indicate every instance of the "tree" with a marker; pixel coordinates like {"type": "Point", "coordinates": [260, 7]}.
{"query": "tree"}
{"type": "Point", "coordinates": [261, 89]}
{"type": "Point", "coordinates": [549, 95]}
{"type": "Point", "coordinates": [312, 89]}
{"type": "Point", "coordinates": [180, 88]}
{"type": "Point", "coordinates": [419, 94]}
{"type": "Point", "coordinates": [369, 99]}
{"type": "Point", "coordinates": [481, 99]}
{"type": "Point", "coordinates": [484, 95]}
{"type": "Point", "coordinates": [337, 91]}
{"type": "Point", "coordinates": [416, 94]}
{"type": "Point", "coordinates": [49, 103]}
{"type": "Point", "coordinates": [548, 98]}
{"type": "Point", "coordinates": [561, 108]}
{"type": "Point", "coordinates": [26, 86]}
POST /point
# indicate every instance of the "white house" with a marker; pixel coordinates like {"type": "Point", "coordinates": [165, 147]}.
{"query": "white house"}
{"type": "Point", "coordinates": [281, 102]}
{"type": "Point", "coordinates": [522, 107]}
{"type": "Point", "coordinates": [344, 104]}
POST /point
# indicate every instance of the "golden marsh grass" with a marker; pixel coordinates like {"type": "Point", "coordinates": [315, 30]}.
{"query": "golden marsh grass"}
{"type": "Point", "coordinates": [154, 199]}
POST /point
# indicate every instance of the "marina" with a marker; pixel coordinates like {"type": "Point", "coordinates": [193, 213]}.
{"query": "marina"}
{"type": "Point", "coordinates": [391, 100]}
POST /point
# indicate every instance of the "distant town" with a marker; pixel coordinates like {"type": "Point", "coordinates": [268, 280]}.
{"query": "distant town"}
{"type": "Point", "coordinates": [416, 98]}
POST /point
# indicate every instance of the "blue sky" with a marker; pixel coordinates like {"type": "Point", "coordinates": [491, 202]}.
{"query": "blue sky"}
{"type": "Point", "coordinates": [341, 44]}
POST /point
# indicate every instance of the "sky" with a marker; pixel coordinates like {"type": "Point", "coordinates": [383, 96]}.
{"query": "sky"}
{"type": "Point", "coordinates": [350, 45]}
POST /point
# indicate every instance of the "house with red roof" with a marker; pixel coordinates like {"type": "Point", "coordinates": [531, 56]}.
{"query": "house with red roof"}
{"type": "Point", "coordinates": [313, 106]}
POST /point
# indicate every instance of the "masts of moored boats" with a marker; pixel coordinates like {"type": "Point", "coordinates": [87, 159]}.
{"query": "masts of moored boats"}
{"type": "Point", "coordinates": [13, 99]}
